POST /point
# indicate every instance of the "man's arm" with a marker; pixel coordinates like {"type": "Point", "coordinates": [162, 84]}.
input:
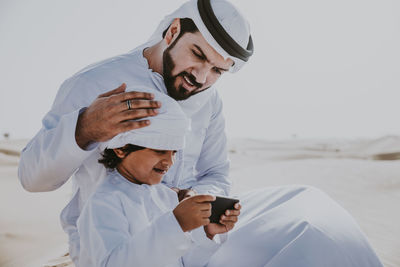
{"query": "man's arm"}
{"type": "Point", "coordinates": [73, 123]}
{"type": "Point", "coordinates": [109, 114]}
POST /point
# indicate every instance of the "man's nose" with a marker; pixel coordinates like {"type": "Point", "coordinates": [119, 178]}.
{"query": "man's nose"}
{"type": "Point", "coordinates": [200, 74]}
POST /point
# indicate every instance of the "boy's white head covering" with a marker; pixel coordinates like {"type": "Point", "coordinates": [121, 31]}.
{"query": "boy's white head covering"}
{"type": "Point", "coordinates": [166, 130]}
{"type": "Point", "coordinates": [232, 21]}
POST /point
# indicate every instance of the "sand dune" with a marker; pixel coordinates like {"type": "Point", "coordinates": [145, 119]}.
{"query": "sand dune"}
{"type": "Point", "coordinates": [377, 149]}
{"type": "Point", "coordinates": [361, 175]}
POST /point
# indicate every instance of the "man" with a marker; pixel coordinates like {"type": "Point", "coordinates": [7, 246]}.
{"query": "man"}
{"type": "Point", "coordinates": [190, 50]}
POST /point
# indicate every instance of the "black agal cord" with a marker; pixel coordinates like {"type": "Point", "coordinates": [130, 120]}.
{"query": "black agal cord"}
{"type": "Point", "coordinates": [220, 35]}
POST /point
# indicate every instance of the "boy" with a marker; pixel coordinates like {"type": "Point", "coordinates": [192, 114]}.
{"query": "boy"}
{"type": "Point", "coordinates": [132, 219]}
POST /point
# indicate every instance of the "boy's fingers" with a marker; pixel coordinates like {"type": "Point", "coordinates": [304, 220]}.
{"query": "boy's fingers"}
{"type": "Point", "coordinates": [206, 213]}
{"type": "Point", "coordinates": [229, 225]}
{"type": "Point", "coordinates": [232, 212]}
{"type": "Point", "coordinates": [203, 198]}
{"type": "Point", "coordinates": [205, 221]}
{"type": "Point", "coordinates": [204, 206]}
{"type": "Point", "coordinates": [229, 218]}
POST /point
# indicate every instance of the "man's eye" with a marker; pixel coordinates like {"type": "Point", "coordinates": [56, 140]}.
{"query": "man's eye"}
{"type": "Point", "coordinates": [198, 55]}
{"type": "Point", "coordinates": [216, 70]}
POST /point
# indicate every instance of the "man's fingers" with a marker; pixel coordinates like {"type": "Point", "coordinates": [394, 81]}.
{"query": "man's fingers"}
{"type": "Point", "coordinates": [118, 90]}
{"type": "Point", "coordinates": [137, 104]}
{"type": "Point", "coordinates": [134, 95]}
{"type": "Point", "coordinates": [203, 198]}
{"type": "Point", "coordinates": [185, 193]}
{"type": "Point", "coordinates": [130, 125]}
{"type": "Point", "coordinates": [136, 114]}
{"type": "Point", "coordinates": [175, 189]}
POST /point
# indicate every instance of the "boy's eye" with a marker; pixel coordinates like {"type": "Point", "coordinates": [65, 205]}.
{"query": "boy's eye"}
{"type": "Point", "coordinates": [160, 151]}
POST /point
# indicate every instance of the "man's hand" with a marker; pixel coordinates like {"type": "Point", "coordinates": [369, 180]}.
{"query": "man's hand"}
{"type": "Point", "coordinates": [183, 193]}
{"type": "Point", "coordinates": [109, 115]}
{"type": "Point", "coordinates": [194, 212]}
{"type": "Point", "coordinates": [226, 222]}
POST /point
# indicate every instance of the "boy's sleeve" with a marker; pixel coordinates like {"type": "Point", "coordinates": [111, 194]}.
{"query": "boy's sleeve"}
{"type": "Point", "coordinates": [203, 248]}
{"type": "Point", "coordinates": [107, 239]}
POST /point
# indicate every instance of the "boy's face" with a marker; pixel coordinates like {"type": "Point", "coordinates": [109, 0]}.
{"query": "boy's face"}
{"type": "Point", "coordinates": [146, 166]}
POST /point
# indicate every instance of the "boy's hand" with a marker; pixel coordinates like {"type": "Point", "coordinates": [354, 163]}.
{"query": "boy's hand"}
{"type": "Point", "coordinates": [194, 212]}
{"type": "Point", "coordinates": [226, 222]}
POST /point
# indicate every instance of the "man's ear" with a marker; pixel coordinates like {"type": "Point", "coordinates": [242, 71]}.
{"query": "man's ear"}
{"type": "Point", "coordinates": [119, 152]}
{"type": "Point", "coordinates": [173, 31]}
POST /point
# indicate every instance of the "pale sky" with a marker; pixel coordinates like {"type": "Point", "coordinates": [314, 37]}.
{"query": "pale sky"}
{"type": "Point", "coordinates": [321, 69]}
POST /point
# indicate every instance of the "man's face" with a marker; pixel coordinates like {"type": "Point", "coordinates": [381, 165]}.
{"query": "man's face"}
{"type": "Point", "coordinates": [191, 65]}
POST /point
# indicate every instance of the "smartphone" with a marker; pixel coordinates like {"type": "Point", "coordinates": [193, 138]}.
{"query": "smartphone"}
{"type": "Point", "coordinates": [219, 206]}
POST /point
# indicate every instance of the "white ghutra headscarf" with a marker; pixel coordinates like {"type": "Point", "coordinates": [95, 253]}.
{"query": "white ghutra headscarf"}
{"type": "Point", "coordinates": [166, 131]}
{"type": "Point", "coordinates": [232, 21]}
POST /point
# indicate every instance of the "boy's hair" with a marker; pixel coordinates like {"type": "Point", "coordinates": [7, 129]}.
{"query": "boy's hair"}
{"type": "Point", "coordinates": [110, 160]}
{"type": "Point", "coordinates": [187, 25]}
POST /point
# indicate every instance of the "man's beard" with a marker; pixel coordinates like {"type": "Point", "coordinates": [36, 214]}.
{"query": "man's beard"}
{"type": "Point", "coordinates": [179, 93]}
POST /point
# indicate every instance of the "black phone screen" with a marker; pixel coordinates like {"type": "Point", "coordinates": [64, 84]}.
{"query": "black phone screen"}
{"type": "Point", "coordinates": [219, 206]}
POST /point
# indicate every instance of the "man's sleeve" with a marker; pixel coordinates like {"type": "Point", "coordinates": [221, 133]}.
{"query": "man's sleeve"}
{"type": "Point", "coordinates": [53, 155]}
{"type": "Point", "coordinates": [107, 238]}
{"type": "Point", "coordinates": [213, 165]}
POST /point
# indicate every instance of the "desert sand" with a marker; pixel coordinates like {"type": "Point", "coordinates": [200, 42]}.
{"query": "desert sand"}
{"type": "Point", "coordinates": [362, 175]}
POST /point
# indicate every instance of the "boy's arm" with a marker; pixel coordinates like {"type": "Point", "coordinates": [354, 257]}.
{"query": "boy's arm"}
{"type": "Point", "coordinates": [204, 248]}
{"type": "Point", "coordinates": [108, 240]}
